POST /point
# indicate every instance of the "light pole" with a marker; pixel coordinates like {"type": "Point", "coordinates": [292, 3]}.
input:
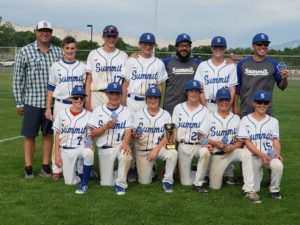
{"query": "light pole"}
{"type": "Point", "coordinates": [91, 26]}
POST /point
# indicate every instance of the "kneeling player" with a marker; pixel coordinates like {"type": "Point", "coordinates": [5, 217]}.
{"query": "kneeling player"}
{"type": "Point", "coordinates": [261, 135]}
{"type": "Point", "coordinates": [188, 117]}
{"type": "Point", "coordinates": [221, 128]}
{"type": "Point", "coordinates": [150, 140]}
{"type": "Point", "coordinates": [111, 125]}
{"type": "Point", "coordinates": [72, 141]}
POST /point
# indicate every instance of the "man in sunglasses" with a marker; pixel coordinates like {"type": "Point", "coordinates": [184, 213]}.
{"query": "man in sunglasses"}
{"type": "Point", "coordinates": [30, 79]}
{"type": "Point", "coordinates": [258, 72]}
{"type": "Point", "coordinates": [260, 132]}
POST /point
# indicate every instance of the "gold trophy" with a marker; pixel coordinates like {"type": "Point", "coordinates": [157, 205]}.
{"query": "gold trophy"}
{"type": "Point", "coordinates": [169, 127]}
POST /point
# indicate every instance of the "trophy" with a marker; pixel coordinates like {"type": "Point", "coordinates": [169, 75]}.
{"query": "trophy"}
{"type": "Point", "coordinates": [225, 140]}
{"type": "Point", "coordinates": [169, 128]}
{"type": "Point", "coordinates": [139, 131]}
{"type": "Point", "coordinates": [281, 66]}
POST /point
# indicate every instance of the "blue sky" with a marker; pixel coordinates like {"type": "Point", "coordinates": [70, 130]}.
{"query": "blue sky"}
{"type": "Point", "coordinates": [237, 21]}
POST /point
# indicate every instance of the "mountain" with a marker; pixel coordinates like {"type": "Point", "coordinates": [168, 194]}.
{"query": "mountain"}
{"type": "Point", "coordinates": [290, 44]}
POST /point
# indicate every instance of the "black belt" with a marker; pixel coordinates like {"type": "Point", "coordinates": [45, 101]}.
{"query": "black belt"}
{"type": "Point", "coordinates": [64, 101]}
{"type": "Point", "coordinates": [190, 143]}
{"type": "Point", "coordinates": [211, 101]}
{"type": "Point", "coordinates": [65, 147]}
{"type": "Point", "coordinates": [219, 153]}
{"type": "Point", "coordinates": [106, 147]}
{"type": "Point", "coordinates": [102, 90]}
{"type": "Point", "coordinates": [137, 98]}
{"type": "Point", "coordinates": [145, 150]}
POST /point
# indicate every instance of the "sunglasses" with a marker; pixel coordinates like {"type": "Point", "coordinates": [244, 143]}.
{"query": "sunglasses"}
{"type": "Point", "coordinates": [259, 44]}
{"type": "Point", "coordinates": [82, 98]}
{"type": "Point", "coordinates": [259, 102]}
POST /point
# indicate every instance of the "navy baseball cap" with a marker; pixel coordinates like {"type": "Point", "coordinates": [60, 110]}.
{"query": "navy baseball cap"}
{"type": "Point", "coordinates": [78, 90]}
{"type": "Point", "coordinates": [183, 37]}
{"type": "Point", "coordinates": [114, 87]}
{"type": "Point", "coordinates": [260, 37]}
{"type": "Point", "coordinates": [110, 30]}
{"type": "Point", "coordinates": [192, 84]}
{"type": "Point", "coordinates": [218, 41]}
{"type": "Point", "coordinates": [147, 38]}
{"type": "Point", "coordinates": [223, 93]}
{"type": "Point", "coordinates": [262, 95]}
{"type": "Point", "coordinates": [153, 91]}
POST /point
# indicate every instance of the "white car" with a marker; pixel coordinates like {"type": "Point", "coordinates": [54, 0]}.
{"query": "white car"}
{"type": "Point", "coordinates": [7, 63]}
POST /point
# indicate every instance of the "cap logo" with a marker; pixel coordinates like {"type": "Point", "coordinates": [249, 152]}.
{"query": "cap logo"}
{"type": "Point", "coordinates": [218, 40]}
{"type": "Point", "coordinates": [262, 36]}
{"type": "Point", "coordinates": [262, 95]}
{"type": "Point", "coordinates": [148, 37]}
{"type": "Point", "coordinates": [184, 36]}
{"type": "Point", "coordinates": [45, 24]}
{"type": "Point", "coordinates": [115, 85]}
{"type": "Point", "coordinates": [194, 84]}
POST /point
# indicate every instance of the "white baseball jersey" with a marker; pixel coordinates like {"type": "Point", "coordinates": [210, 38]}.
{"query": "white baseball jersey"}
{"type": "Point", "coordinates": [212, 77]}
{"type": "Point", "coordinates": [114, 136]}
{"type": "Point", "coordinates": [72, 129]}
{"type": "Point", "coordinates": [142, 73]}
{"type": "Point", "coordinates": [152, 127]}
{"type": "Point", "coordinates": [261, 133]}
{"type": "Point", "coordinates": [105, 67]}
{"type": "Point", "coordinates": [63, 76]}
{"type": "Point", "coordinates": [188, 122]}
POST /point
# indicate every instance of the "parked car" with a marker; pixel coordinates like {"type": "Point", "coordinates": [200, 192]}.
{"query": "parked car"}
{"type": "Point", "coordinates": [7, 63]}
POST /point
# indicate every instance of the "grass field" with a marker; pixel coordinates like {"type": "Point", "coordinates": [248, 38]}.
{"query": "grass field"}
{"type": "Point", "coordinates": [42, 201]}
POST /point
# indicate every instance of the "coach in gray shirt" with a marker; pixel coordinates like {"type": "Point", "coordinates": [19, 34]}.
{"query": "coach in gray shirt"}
{"type": "Point", "coordinates": [30, 81]}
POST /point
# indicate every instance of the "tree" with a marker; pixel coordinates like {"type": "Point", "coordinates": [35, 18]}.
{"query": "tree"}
{"type": "Point", "coordinates": [7, 35]}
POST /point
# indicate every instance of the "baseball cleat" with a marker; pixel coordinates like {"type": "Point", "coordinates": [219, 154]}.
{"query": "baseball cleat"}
{"type": "Point", "coordinates": [254, 198]}
{"type": "Point", "coordinates": [229, 180]}
{"type": "Point", "coordinates": [82, 189]}
{"type": "Point", "coordinates": [275, 195]}
{"type": "Point", "coordinates": [200, 189]}
{"type": "Point", "coordinates": [132, 175]}
{"type": "Point", "coordinates": [167, 187]}
{"type": "Point", "coordinates": [119, 190]}
{"type": "Point", "coordinates": [28, 172]}
{"type": "Point", "coordinates": [45, 171]}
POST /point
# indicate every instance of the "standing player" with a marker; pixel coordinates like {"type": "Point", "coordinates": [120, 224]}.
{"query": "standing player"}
{"type": "Point", "coordinates": [111, 125]}
{"type": "Point", "coordinates": [221, 128]}
{"type": "Point", "coordinates": [260, 132]}
{"type": "Point", "coordinates": [150, 141]}
{"type": "Point", "coordinates": [188, 117]}
{"type": "Point", "coordinates": [64, 76]}
{"type": "Point", "coordinates": [180, 69]}
{"type": "Point", "coordinates": [104, 65]}
{"type": "Point", "coordinates": [72, 141]}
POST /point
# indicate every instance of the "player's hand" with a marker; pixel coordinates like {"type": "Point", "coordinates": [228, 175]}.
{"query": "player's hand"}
{"type": "Point", "coordinates": [134, 134]}
{"type": "Point", "coordinates": [20, 111]}
{"type": "Point", "coordinates": [48, 114]}
{"type": "Point", "coordinates": [219, 145]}
{"type": "Point", "coordinates": [110, 124]}
{"type": "Point", "coordinates": [279, 157]}
{"type": "Point", "coordinates": [235, 109]}
{"type": "Point", "coordinates": [265, 158]}
{"type": "Point", "coordinates": [58, 160]}
{"type": "Point", "coordinates": [284, 73]}
{"type": "Point", "coordinates": [134, 55]}
{"type": "Point", "coordinates": [125, 148]}
{"type": "Point", "coordinates": [228, 148]}
{"type": "Point", "coordinates": [152, 154]}
{"type": "Point", "coordinates": [229, 60]}
{"type": "Point", "coordinates": [209, 147]}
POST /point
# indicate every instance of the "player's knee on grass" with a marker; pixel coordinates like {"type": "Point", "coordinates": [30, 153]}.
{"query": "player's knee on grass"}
{"type": "Point", "coordinates": [276, 166]}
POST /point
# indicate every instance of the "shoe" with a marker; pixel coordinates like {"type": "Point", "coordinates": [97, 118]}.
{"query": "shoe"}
{"type": "Point", "coordinates": [119, 190]}
{"type": "Point", "coordinates": [93, 174]}
{"type": "Point", "coordinates": [56, 176]}
{"type": "Point", "coordinates": [132, 175]}
{"type": "Point", "coordinates": [253, 197]}
{"type": "Point", "coordinates": [45, 171]}
{"type": "Point", "coordinates": [206, 180]}
{"type": "Point", "coordinates": [229, 180]}
{"type": "Point", "coordinates": [275, 195]}
{"type": "Point", "coordinates": [28, 172]}
{"type": "Point", "coordinates": [201, 189]}
{"type": "Point", "coordinates": [82, 189]}
{"type": "Point", "coordinates": [167, 187]}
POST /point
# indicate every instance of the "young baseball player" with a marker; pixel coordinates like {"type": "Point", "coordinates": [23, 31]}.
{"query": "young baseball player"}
{"type": "Point", "coordinates": [150, 140]}
{"type": "Point", "coordinates": [221, 129]}
{"type": "Point", "coordinates": [260, 132]}
{"type": "Point", "coordinates": [72, 141]}
{"type": "Point", "coordinates": [64, 75]}
{"type": "Point", "coordinates": [188, 116]}
{"type": "Point", "coordinates": [111, 125]}
{"type": "Point", "coordinates": [104, 65]}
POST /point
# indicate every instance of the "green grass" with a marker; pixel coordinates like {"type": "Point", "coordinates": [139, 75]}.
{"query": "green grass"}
{"type": "Point", "coordinates": [42, 201]}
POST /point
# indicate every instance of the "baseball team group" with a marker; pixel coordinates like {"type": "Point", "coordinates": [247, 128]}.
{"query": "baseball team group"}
{"type": "Point", "coordinates": [197, 117]}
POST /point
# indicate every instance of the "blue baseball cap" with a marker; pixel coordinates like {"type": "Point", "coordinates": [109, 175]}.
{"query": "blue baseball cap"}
{"type": "Point", "coordinates": [147, 38]}
{"type": "Point", "coordinates": [110, 30]}
{"type": "Point", "coordinates": [78, 90]}
{"type": "Point", "coordinates": [192, 84]}
{"type": "Point", "coordinates": [218, 41]}
{"type": "Point", "coordinates": [114, 87]}
{"type": "Point", "coordinates": [153, 91]}
{"type": "Point", "coordinates": [183, 37]}
{"type": "Point", "coordinates": [262, 95]}
{"type": "Point", "coordinates": [260, 37]}
{"type": "Point", "coordinates": [223, 93]}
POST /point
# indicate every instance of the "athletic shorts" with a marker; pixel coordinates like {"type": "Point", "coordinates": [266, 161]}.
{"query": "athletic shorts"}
{"type": "Point", "coordinates": [33, 120]}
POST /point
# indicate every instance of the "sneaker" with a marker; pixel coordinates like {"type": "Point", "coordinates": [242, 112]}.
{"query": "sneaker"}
{"type": "Point", "coordinates": [45, 171]}
{"type": "Point", "coordinates": [201, 189]}
{"type": "Point", "coordinates": [254, 198]}
{"type": "Point", "coordinates": [93, 174]}
{"type": "Point", "coordinates": [28, 172]}
{"type": "Point", "coordinates": [275, 195]}
{"type": "Point", "coordinates": [82, 189]}
{"type": "Point", "coordinates": [132, 175]}
{"type": "Point", "coordinates": [56, 176]}
{"type": "Point", "coordinates": [167, 187]}
{"type": "Point", "coordinates": [229, 180]}
{"type": "Point", "coordinates": [119, 190]}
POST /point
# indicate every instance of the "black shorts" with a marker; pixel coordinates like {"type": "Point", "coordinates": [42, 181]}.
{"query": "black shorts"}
{"type": "Point", "coordinates": [33, 120]}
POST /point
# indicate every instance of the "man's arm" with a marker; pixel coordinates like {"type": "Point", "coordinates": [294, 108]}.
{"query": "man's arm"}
{"type": "Point", "coordinates": [124, 91]}
{"type": "Point", "coordinates": [88, 84]}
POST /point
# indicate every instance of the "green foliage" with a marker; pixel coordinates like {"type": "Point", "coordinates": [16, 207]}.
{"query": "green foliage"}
{"type": "Point", "coordinates": [7, 35]}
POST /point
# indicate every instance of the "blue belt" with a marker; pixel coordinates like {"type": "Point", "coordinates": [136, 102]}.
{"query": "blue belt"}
{"type": "Point", "coordinates": [65, 147]}
{"type": "Point", "coordinates": [211, 101]}
{"type": "Point", "coordinates": [137, 98]}
{"type": "Point", "coordinates": [64, 101]}
{"type": "Point", "coordinates": [106, 147]}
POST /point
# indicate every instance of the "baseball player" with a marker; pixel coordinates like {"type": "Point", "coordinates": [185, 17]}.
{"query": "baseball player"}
{"type": "Point", "coordinates": [188, 117]}
{"type": "Point", "coordinates": [72, 141]}
{"type": "Point", "coordinates": [221, 129]}
{"type": "Point", "coordinates": [104, 65]}
{"type": "Point", "coordinates": [260, 132]}
{"type": "Point", "coordinates": [111, 125]}
{"type": "Point", "coordinates": [150, 140]}
{"type": "Point", "coordinates": [64, 75]}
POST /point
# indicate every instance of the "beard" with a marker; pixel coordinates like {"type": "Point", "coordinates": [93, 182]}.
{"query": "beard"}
{"type": "Point", "coordinates": [183, 58]}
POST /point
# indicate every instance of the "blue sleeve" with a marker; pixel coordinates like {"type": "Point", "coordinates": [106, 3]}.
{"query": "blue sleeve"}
{"type": "Point", "coordinates": [276, 74]}
{"type": "Point", "coordinates": [166, 61]}
{"type": "Point", "coordinates": [50, 87]}
{"type": "Point", "coordinates": [197, 60]}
